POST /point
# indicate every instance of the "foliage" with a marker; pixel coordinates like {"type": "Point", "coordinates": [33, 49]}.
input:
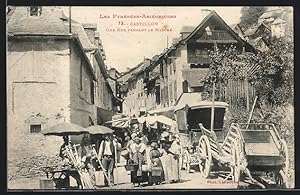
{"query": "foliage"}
{"type": "Point", "coordinates": [250, 15]}
{"type": "Point", "coordinates": [273, 75]}
{"type": "Point", "coordinates": [274, 79]}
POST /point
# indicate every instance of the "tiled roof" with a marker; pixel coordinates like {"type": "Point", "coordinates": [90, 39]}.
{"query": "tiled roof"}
{"type": "Point", "coordinates": [278, 21]}
{"type": "Point", "coordinates": [213, 14]}
{"type": "Point", "coordinates": [52, 21]}
{"type": "Point", "coordinates": [250, 31]}
{"type": "Point", "coordinates": [194, 76]}
{"type": "Point", "coordinates": [254, 41]}
{"type": "Point", "coordinates": [89, 25]}
{"type": "Point", "coordinates": [49, 22]}
{"type": "Point", "coordinates": [271, 13]}
{"type": "Point", "coordinates": [130, 73]}
{"type": "Point", "coordinates": [266, 25]}
{"type": "Point", "coordinates": [78, 29]}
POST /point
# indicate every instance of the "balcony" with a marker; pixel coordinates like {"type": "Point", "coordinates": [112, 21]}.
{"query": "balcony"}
{"type": "Point", "coordinates": [216, 36]}
{"type": "Point", "coordinates": [198, 59]}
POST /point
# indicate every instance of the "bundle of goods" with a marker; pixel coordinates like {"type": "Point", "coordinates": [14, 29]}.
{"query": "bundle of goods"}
{"type": "Point", "coordinates": [72, 154]}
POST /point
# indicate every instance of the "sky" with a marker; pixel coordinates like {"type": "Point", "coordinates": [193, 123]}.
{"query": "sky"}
{"type": "Point", "coordinates": [127, 49]}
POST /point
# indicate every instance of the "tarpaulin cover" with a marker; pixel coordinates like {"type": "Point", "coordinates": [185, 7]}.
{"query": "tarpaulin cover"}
{"type": "Point", "coordinates": [193, 101]}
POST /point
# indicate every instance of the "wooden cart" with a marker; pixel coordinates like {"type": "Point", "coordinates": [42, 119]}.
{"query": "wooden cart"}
{"type": "Point", "coordinates": [61, 177]}
{"type": "Point", "coordinates": [192, 115]}
{"type": "Point", "coordinates": [256, 150]}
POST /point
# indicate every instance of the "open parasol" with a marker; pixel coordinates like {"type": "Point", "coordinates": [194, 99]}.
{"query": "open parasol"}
{"type": "Point", "coordinates": [99, 129]}
{"type": "Point", "coordinates": [63, 129]}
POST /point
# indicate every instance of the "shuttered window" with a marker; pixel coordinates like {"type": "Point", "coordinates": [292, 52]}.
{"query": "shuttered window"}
{"type": "Point", "coordinates": [175, 90]}
{"type": "Point", "coordinates": [171, 92]}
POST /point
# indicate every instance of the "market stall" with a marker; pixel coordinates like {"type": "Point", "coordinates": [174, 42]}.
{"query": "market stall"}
{"type": "Point", "coordinates": [72, 168]}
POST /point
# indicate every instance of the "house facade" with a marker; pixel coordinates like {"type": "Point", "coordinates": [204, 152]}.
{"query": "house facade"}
{"type": "Point", "coordinates": [52, 76]}
{"type": "Point", "coordinates": [179, 69]}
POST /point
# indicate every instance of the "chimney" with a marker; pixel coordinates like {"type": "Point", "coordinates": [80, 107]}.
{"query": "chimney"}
{"type": "Point", "coordinates": [112, 73]}
{"type": "Point", "coordinates": [146, 62]}
{"type": "Point", "coordinates": [97, 38]}
{"type": "Point", "coordinates": [90, 29]}
{"type": "Point", "coordinates": [186, 30]}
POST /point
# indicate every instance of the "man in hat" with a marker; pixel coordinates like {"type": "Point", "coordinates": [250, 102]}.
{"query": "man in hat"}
{"type": "Point", "coordinates": [62, 151]}
{"type": "Point", "coordinates": [107, 154]}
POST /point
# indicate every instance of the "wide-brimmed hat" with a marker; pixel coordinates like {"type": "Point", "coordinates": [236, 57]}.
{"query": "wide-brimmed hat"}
{"type": "Point", "coordinates": [164, 134]}
{"type": "Point", "coordinates": [133, 135]}
{"type": "Point", "coordinates": [154, 145]}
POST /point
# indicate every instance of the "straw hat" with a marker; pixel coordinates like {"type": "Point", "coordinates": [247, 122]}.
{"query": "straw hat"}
{"type": "Point", "coordinates": [133, 135]}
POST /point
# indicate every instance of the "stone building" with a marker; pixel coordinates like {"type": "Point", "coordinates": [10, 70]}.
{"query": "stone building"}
{"type": "Point", "coordinates": [158, 84]}
{"type": "Point", "coordinates": [53, 75]}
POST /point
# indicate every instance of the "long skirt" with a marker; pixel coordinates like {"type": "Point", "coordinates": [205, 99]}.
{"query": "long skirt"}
{"type": "Point", "coordinates": [138, 176]}
{"type": "Point", "coordinates": [156, 174]}
{"type": "Point", "coordinates": [172, 168]}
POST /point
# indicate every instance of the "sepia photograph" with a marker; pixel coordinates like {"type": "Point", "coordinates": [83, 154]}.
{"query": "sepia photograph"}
{"type": "Point", "coordinates": [107, 98]}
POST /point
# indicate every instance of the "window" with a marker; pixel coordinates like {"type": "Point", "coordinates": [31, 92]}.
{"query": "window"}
{"type": "Point", "coordinates": [208, 31]}
{"type": "Point", "coordinates": [197, 89]}
{"type": "Point", "coordinates": [91, 122]}
{"type": "Point", "coordinates": [175, 90]}
{"type": "Point", "coordinates": [81, 72]}
{"type": "Point", "coordinates": [35, 10]}
{"type": "Point", "coordinates": [35, 128]}
{"type": "Point", "coordinates": [92, 92]}
{"type": "Point", "coordinates": [174, 67]}
{"type": "Point", "coordinates": [161, 70]}
{"type": "Point", "coordinates": [171, 92]}
{"type": "Point", "coordinates": [157, 95]}
{"type": "Point", "coordinates": [185, 87]}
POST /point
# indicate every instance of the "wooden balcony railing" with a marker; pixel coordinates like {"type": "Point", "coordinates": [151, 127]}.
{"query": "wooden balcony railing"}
{"type": "Point", "coordinates": [198, 59]}
{"type": "Point", "coordinates": [216, 35]}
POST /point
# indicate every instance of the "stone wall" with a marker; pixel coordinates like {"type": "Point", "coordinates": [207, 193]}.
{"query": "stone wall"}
{"type": "Point", "coordinates": [83, 111]}
{"type": "Point", "coordinates": [37, 93]}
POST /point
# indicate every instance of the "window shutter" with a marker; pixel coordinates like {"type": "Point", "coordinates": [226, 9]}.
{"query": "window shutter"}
{"type": "Point", "coordinates": [185, 86]}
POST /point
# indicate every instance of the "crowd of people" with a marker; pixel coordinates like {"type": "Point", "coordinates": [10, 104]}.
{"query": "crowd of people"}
{"type": "Point", "coordinates": [154, 160]}
{"type": "Point", "coordinates": [160, 157]}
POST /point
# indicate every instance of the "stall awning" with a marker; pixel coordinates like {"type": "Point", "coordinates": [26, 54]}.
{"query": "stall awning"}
{"type": "Point", "coordinates": [167, 112]}
{"type": "Point", "coordinates": [104, 115]}
{"type": "Point", "coordinates": [151, 120]}
{"type": "Point", "coordinates": [120, 122]}
{"type": "Point", "coordinates": [193, 101]}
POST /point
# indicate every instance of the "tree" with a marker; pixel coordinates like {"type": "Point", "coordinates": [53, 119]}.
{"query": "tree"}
{"type": "Point", "coordinates": [250, 15]}
{"type": "Point", "coordinates": [273, 78]}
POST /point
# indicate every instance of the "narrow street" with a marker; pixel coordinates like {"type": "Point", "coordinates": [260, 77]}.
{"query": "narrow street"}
{"type": "Point", "coordinates": [141, 92]}
{"type": "Point", "coordinates": [189, 181]}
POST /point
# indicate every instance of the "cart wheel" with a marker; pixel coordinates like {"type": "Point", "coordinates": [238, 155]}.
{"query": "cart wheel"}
{"type": "Point", "coordinates": [281, 176]}
{"type": "Point", "coordinates": [235, 152]}
{"type": "Point", "coordinates": [204, 156]}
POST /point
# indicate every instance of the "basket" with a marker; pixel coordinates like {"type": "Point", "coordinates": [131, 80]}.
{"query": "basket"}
{"type": "Point", "coordinates": [125, 154]}
{"type": "Point", "coordinates": [156, 171]}
{"type": "Point", "coordinates": [145, 168]}
{"type": "Point", "coordinates": [131, 167]}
